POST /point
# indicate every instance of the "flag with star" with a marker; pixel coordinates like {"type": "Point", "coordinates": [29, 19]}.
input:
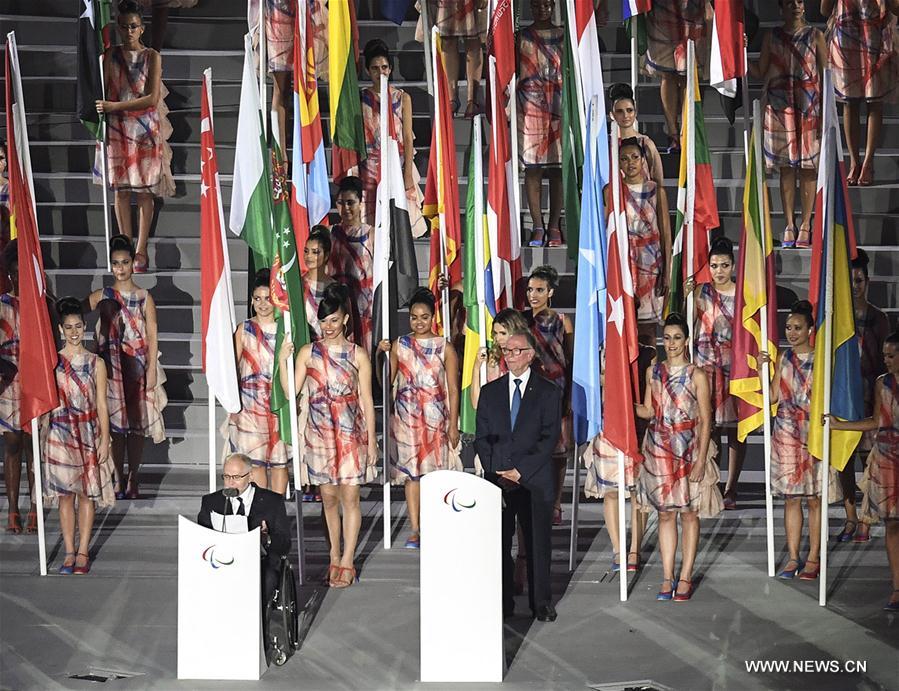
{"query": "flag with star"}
{"type": "Point", "coordinates": [286, 285]}
{"type": "Point", "coordinates": [586, 393]}
{"type": "Point", "coordinates": [93, 40]}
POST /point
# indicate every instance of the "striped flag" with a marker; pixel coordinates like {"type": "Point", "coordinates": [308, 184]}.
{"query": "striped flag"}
{"type": "Point", "coordinates": [93, 40]}
{"type": "Point", "coordinates": [37, 345]}
{"type": "Point", "coordinates": [216, 298]}
{"type": "Point", "coordinates": [251, 199]}
{"type": "Point", "coordinates": [756, 289]}
{"type": "Point", "coordinates": [631, 8]}
{"type": "Point", "coordinates": [697, 206]}
{"type": "Point", "coordinates": [477, 286]}
{"type": "Point", "coordinates": [572, 141]}
{"type": "Point", "coordinates": [837, 362]}
{"type": "Point", "coordinates": [727, 64]}
{"type": "Point", "coordinates": [310, 200]}
{"type": "Point", "coordinates": [590, 302]}
{"type": "Point", "coordinates": [347, 136]}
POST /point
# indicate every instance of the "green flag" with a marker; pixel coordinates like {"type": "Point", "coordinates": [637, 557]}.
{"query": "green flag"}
{"type": "Point", "coordinates": [572, 145]}
{"type": "Point", "coordinates": [93, 39]}
{"type": "Point", "coordinates": [286, 286]}
{"type": "Point", "coordinates": [638, 20]}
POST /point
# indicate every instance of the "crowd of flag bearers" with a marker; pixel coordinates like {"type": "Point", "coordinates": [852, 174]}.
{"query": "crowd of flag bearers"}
{"type": "Point", "coordinates": [676, 347]}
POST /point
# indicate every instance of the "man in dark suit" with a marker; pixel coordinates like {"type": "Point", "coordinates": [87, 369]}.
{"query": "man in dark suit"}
{"type": "Point", "coordinates": [518, 425]}
{"type": "Point", "coordinates": [263, 508]}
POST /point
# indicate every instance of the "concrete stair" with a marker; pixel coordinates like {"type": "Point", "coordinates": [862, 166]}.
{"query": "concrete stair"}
{"type": "Point", "coordinates": [70, 212]}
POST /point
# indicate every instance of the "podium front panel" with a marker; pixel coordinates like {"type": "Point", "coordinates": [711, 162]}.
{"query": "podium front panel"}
{"type": "Point", "coordinates": [461, 579]}
{"type": "Point", "coordinates": [219, 604]}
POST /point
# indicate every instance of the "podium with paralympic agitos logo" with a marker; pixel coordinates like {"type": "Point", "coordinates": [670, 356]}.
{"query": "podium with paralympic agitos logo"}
{"type": "Point", "coordinates": [219, 604]}
{"type": "Point", "coordinates": [461, 579]}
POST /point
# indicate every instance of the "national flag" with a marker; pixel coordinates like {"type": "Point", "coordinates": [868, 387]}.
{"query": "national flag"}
{"type": "Point", "coordinates": [216, 298]}
{"type": "Point", "coordinates": [501, 42]}
{"type": "Point", "coordinates": [251, 197]}
{"type": "Point", "coordinates": [727, 64]}
{"type": "Point", "coordinates": [621, 384]}
{"type": "Point", "coordinates": [347, 136]}
{"type": "Point", "coordinates": [631, 8]}
{"type": "Point", "coordinates": [590, 302]}
{"type": "Point", "coordinates": [756, 293]}
{"type": "Point", "coordinates": [286, 286]}
{"type": "Point", "coordinates": [477, 286]}
{"type": "Point", "coordinates": [572, 140]}
{"type": "Point", "coordinates": [588, 56]}
{"type": "Point", "coordinates": [441, 202]}
{"type": "Point", "coordinates": [37, 345]}
{"type": "Point", "coordinates": [310, 199]}
{"type": "Point", "coordinates": [395, 10]}
{"type": "Point", "coordinates": [830, 292]}
{"type": "Point", "coordinates": [93, 40]}
{"type": "Point", "coordinates": [697, 206]}
{"type": "Point", "coordinates": [395, 268]}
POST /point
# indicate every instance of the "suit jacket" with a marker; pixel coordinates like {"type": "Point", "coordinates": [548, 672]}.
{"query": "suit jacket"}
{"type": "Point", "coordinates": [267, 506]}
{"type": "Point", "coordinates": [529, 446]}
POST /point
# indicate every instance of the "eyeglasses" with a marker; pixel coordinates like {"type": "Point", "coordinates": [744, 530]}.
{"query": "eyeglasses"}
{"type": "Point", "coordinates": [234, 477]}
{"type": "Point", "coordinates": [131, 27]}
{"type": "Point", "coordinates": [514, 352]}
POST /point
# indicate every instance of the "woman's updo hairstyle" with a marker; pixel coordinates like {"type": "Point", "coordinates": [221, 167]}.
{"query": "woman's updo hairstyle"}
{"type": "Point", "coordinates": [546, 273]}
{"type": "Point", "coordinates": [803, 308]}
{"type": "Point", "coordinates": [376, 48]}
{"type": "Point", "coordinates": [67, 306]}
{"type": "Point", "coordinates": [423, 296]}
{"type": "Point", "coordinates": [722, 247]}
{"type": "Point", "coordinates": [262, 278]}
{"type": "Point", "coordinates": [620, 91]}
{"type": "Point", "coordinates": [121, 243]}
{"type": "Point", "coordinates": [335, 298]}
{"type": "Point", "coordinates": [322, 236]}
{"type": "Point", "coordinates": [351, 183]}
{"type": "Point", "coordinates": [632, 141]}
{"type": "Point", "coordinates": [678, 320]}
{"type": "Point", "coordinates": [127, 7]}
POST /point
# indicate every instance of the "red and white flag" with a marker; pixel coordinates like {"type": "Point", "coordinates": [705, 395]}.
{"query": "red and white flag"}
{"type": "Point", "coordinates": [37, 345]}
{"type": "Point", "coordinates": [622, 350]}
{"type": "Point", "coordinates": [219, 361]}
{"type": "Point", "coordinates": [727, 64]}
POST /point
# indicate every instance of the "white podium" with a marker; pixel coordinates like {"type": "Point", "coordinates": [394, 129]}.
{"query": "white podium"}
{"type": "Point", "coordinates": [461, 579]}
{"type": "Point", "coordinates": [219, 610]}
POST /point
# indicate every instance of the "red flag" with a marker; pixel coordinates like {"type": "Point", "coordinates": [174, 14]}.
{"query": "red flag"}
{"type": "Point", "coordinates": [37, 346]}
{"type": "Point", "coordinates": [501, 43]}
{"type": "Point", "coordinates": [622, 349]}
{"type": "Point", "coordinates": [727, 65]}
{"type": "Point", "coordinates": [441, 203]}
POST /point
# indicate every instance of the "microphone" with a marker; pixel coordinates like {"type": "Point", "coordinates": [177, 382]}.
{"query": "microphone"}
{"type": "Point", "coordinates": [227, 493]}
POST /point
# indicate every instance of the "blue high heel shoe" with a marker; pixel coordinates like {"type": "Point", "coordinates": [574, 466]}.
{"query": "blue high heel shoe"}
{"type": "Point", "coordinates": [662, 596]}
{"type": "Point", "coordinates": [67, 569]}
{"type": "Point", "coordinates": [789, 574]}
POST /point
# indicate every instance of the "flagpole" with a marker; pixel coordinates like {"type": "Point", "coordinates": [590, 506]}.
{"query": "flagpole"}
{"type": "Point", "coordinates": [828, 233]}
{"type": "Point", "coordinates": [262, 64]}
{"type": "Point", "coordinates": [295, 449]}
{"type": "Point", "coordinates": [426, 39]}
{"type": "Point", "coordinates": [212, 439]}
{"type": "Point", "coordinates": [634, 70]}
{"type": "Point", "coordinates": [576, 64]}
{"type": "Point", "coordinates": [513, 128]}
{"type": "Point", "coordinates": [38, 495]}
{"type": "Point", "coordinates": [103, 166]}
{"type": "Point", "coordinates": [615, 183]}
{"type": "Point", "coordinates": [385, 315]}
{"type": "Point", "coordinates": [744, 84]}
{"type": "Point", "coordinates": [765, 373]}
{"type": "Point", "coordinates": [690, 153]}
{"type": "Point", "coordinates": [480, 287]}
{"type": "Point", "coordinates": [445, 290]}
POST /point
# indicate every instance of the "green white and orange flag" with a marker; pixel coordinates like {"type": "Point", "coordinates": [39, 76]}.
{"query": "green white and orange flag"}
{"type": "Point", "coordinates": [347, 136]}
{"type": "Point", "coordinates": [756, 299]}
{"type": "Point", "coordinates": [697, 206]}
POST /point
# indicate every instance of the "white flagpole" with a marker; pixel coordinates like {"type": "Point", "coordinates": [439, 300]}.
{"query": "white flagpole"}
{"type": "Point", "coordinates": [744, 84]}
{"type": "Point", "coordinates": [634, 59]}
{"type": "Point", "coordinates": [480, 286]}
{"type": "Point", "coordinates": [39, 495]}
{"type": "Point", "coordinates": [105, 170]}
{"type": "Point", "coordinates": [262, 64]}
{"type": "Point", "coordinates": [212, 439]}
{"type": "Point", "coordinates": [690, 153]}
{"type": "Point", "coordinates": [765, 372]}
{"type": "Point", "coordinates": [616, 218]}
{"type": "Point", "coordinates": [426, 34]}
{"type": "Point", "coordinates": [385, 305]}
{"type": "Point", "coordinates": [828, 227]}
{"type": "Point", "coordinates": [513, 126]}
{"type": "Point", "coordinates": [438, 107]}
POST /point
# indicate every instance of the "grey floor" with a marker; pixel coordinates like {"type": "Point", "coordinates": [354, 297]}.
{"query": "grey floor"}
{"type": "Point", "coordinates": [122, 617]}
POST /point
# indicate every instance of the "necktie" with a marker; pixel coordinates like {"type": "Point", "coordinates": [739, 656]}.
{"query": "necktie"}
{"type": "Point", "coordinates": [516, 401]}
{"type": "Point", "coordinates": [240, 509]}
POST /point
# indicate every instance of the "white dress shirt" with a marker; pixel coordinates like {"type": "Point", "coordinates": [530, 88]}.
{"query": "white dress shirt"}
{"type": "Point", "coordinates": [247, 496]}
{"type": "Point", "coordinates": [523, 378]}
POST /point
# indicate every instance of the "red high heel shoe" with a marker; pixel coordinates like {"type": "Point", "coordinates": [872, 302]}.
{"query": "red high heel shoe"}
{"type": "Point", "coordinates": [85, 568]}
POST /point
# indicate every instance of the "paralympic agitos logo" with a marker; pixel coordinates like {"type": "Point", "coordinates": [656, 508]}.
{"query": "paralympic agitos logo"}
{"type": "Point", "coordinates": [456, 504]}
{"type": "Point", "coordinates": [214, 561]}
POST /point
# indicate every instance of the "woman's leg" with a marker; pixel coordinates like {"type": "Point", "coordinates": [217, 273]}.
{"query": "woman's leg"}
{"type": "Point", "coordinates": [672, 92]}
{"type": "Point", "coordinates": [736, 454]}
{"type": "Point", "coordinates": [86, 511]}
{"type": "Point", "coordinates": [118, 460]}
{"type": "Point", "coordinates": [875, 120]}
{"type": "Point", "coordinates": [689, 543]}
{"type": "Point", "coordinates": [788, 195]}
{"type": "Point", "coordinates": [848, 487]}
{"type": "Point", "coordinates": [123, 212]}
{"type": "Point", "coordinates": [638, 525]}
{"type": "Point", "coordinates": [12, 470]}
{"type": "Point", "coordinates": [413, 496]}
{"type": "Point", "coordinates": [533, 178]}
{"type": "Point", "coordinates": [610, 514]}
{"type": "Point", "coordinates": [851, 112]}
{"type": "Point", "coordinates": [808, 180]}
{"type": "Point", "coordinates": [474, 62]}
{"type": "Point", "coordinates": [555, 196]}
{"type": "Point", "coordinates": [352, 522]}
{"type": "Point", "coordinates": [814, 531]}
{"type": "Point", "coordinates": [331, 507]}
{"type": "Point", "coordinates": [67, 524]}
{"type": "Point", "coordinates": [793, 525]}
{"type": "Point", "coordinates": [145, 220]}
{"type": "Point", "coordinates": [451, 58]}
{"type": "Point", "coordinates": [279, 477]}
{"type": "Point", "coordinates": [259, 475]}
{"type": "Point", "coordinates": [667, 546]}
{"type": "Point", "coordinates": [892, 544]}
{"type": "Point", "coordinates": [135, 455]}
{"type": "Point", "coordinates": [281, 90]}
